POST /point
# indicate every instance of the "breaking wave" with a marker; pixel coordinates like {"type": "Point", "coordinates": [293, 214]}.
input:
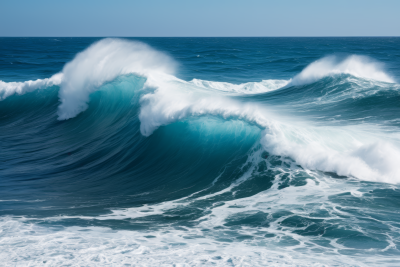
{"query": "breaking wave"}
{"type": "Point", "coordinates": [366, 151]}
{"type": "Point", "coordinates": [116, 160]}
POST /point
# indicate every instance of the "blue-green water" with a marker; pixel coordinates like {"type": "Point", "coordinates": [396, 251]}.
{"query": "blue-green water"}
{"type": "Point", "coordinates": [199, 151]}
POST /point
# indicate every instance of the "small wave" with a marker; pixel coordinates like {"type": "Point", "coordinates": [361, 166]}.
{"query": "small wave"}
{"type": "Point", "coordinates": [358, 66]}
{"type": "Point", "coordinates": [11, 88]}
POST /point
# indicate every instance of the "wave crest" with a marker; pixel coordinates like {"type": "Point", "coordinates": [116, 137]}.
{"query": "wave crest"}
{"type": "Point", "coordinates": [103, 62]}
{"type": "Point", "coordinates": [11, 88]}
{"type": "Point", "coordinates": [365, 154]}
{"type": "Point", "coordinates": [358, 66]}
{"type": "Point", "coordinates": [244, 88]}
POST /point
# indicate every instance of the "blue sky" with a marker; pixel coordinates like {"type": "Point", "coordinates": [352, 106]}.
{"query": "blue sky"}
{"type": "Point", "coordinates": [199, 18]}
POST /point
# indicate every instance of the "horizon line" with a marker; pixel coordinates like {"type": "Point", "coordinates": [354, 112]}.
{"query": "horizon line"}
{"type": "Point", "coordinates": [116, 36]}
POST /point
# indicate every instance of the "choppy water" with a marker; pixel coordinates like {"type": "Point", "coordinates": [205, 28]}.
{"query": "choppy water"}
{"type": "Point", "coordinates": [200, 151]}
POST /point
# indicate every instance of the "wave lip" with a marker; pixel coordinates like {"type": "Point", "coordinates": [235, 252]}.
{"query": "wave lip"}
{"type": "Point", "coordinates": [103, 62]}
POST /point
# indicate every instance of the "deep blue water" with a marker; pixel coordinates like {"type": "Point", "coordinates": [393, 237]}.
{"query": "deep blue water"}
{"type": "Point", "coordinates": [199, 151]}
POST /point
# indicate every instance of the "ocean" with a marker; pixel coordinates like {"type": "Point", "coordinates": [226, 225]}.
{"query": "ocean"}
{"type": "Point", "coordinates": [200, 151]}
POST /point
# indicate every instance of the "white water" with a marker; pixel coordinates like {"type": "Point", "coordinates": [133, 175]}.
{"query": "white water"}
{"type": "Point", "coordinates": [103, 62]}
{"type": "Point", "coordinates": [244, 88]}
{"type": "Point", "coordinates": [11, 88]}
{"type": "Point", "coordinates": [364, 151]}
{"type": "Point", "coordinates": [25, 243]}
{"type": "Point", "coordinates": [357, 66]}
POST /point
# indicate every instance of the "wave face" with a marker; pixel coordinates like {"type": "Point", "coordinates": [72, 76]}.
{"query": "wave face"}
{"type": "Point", "coordinates": [199, 151]}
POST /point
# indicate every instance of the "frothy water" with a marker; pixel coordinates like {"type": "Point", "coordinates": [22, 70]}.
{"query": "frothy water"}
{"type": "Point", "coordinates": [123, 156]}
{"type": "Point", "coordinates": [355, 65]}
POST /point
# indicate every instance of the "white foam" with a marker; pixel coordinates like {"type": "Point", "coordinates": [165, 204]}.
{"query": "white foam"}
{"type": "Point", "coordinates": [366, 152]}
{"type": "Point", "coordinates": [11, 88]}
{"type": "Point", "coordinates": [244, 88]}
{"type": "Point", "coordinates": [207, 242]}
{"type": "Point", "coordinates": [103, 62]}
{"type": "Point", "coordinates": [347, 151]}
{"type": "Point", "coordinates": [30, 244]}
{"type": "Point", "coordinates": [358, 66]}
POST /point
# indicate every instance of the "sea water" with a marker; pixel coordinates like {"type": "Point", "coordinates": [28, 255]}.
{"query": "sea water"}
{"type": "Point", "coordinates": [199, 151]}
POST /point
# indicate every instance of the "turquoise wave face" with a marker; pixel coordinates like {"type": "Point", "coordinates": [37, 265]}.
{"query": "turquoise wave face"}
{"type": "Point", "coordinates": [105, 141]}
{"type": "Point", "coordinates": [211, 152]}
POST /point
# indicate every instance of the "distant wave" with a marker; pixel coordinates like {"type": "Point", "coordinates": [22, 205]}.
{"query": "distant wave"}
{"type": "Point", "coordinates": [357, 66]}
